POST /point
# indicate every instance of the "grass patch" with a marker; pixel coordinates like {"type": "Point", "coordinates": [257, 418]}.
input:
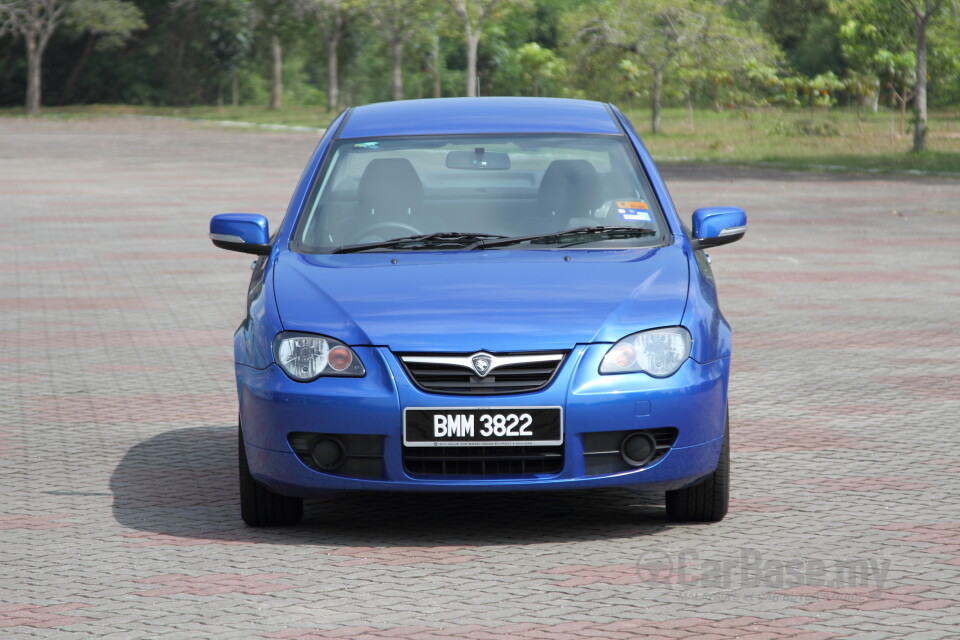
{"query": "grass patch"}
{"type": "Point", "coordinates": [291, 116]}
{"type": "Point", "coordinates": [834, 139]}
{"type": "Point", "coordinates": [837, 139]}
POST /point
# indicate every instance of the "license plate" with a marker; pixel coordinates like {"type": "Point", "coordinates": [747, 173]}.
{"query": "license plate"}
{"type": "Point", "coordinates": [482, 426]}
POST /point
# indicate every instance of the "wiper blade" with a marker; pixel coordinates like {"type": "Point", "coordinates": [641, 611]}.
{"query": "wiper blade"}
{"type": "Point", "coordinates": [577, 235]}
{"type": "Point", "coordinates": [423, 241]}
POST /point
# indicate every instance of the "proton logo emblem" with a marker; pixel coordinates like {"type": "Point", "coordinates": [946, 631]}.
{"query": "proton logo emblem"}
{"type": "Point", "coordinates": [481, 364]}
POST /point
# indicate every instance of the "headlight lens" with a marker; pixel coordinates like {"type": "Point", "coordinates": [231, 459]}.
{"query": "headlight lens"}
{"type": "Point", "coordinates": [306, 357]}
{"type": "Point", "coordinates": [658, 352]}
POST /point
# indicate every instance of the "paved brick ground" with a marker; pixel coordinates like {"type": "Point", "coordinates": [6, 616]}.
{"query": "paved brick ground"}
{"type": "Point", "coordinates": [117, 455]}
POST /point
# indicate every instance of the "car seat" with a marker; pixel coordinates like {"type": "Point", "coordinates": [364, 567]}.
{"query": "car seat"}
{"type": "Point", "coordinates": [569, 189]}
{"type": "Point", "coordinates": [389, 197]}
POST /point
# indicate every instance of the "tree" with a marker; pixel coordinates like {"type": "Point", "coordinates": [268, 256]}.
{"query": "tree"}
{"type": "Point", "coordinates": [35, 21]}
{"type": "Point", "coordinates": [274, 18]}
{"type": "Point", "coordinates": [536, 67]}
{"type": "Point", "coordinates": [943, 61]}
{"type": "Point", "coordinates": [922, 11]}
{"type": "Point", "coordinates": [660, 34]}
{"type": "Point", "coordinates": [108, 24]}
{"type": "Point", "coordinates": [473, 13]}
{"type": "Point", "coordinates": [655, 31]}
{"type": "Point", "coordinates": [331, 17]}
{"type": "Point", "coordinates": [806, 30]}
{"type": "Point", "coordinates": [229, 28]}
{"type": "Point", "coordinates": [398, 21]}
{"type": "Point", "coordinates": [734, 62]}
{"type": "Point", "coordinates": [891, 43]}
{"type": "Point", "coordinates": [871, 39]}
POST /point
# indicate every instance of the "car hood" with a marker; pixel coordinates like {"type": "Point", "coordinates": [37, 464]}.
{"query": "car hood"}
{"type": "Point", "coordinates": [500, 301]}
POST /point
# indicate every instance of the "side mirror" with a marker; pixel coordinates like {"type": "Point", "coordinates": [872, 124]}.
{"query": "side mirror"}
{"type": "Point", "coordinates": [714, 226]}
{"type": "Point", "coordinates": [243, 232]}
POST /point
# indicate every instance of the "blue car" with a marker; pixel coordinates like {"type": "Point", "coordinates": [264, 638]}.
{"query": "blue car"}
{"type": "Point", "coordinates": [481, 294]}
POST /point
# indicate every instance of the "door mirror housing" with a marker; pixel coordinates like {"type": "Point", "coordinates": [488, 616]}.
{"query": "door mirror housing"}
{"type": "Point", "coordinates": [243, 232]}
{"type": "Point", "coordinates": [715, 226]}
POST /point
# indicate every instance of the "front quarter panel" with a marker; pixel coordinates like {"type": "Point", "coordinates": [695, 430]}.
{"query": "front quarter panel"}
{"type": "Point", "coordinates": [708, 327]}
{"type": "Point", "coordinates": [253, 341]}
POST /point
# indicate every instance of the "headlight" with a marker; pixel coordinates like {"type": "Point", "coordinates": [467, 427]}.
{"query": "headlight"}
{"type": "Point", "coordinates": [658, 352]}
{"type": "Point", "coordinates": [306, 357]}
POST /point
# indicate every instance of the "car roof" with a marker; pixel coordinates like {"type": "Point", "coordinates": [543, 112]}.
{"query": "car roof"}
{"type": "Point", "coordinates": [479, 115]}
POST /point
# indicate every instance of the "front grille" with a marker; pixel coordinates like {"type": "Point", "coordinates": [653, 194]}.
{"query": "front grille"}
{"type": "Point", "coordinates": [482, 462]}
{"type": "Point", "coordinates": [453, 374]}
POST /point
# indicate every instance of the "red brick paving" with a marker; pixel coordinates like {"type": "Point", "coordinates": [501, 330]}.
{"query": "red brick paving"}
{"type": "Point", "coordinates": [862, 483]}
{"type": "Point", "coordinates": [35, 523]}
{"type": "Point", "coordinates": [770, 434]}
{"type": "Point", "coordinates": [869, 598]}
{"type": "Point", "coordinates": [40, 616]}
{"type": "Point", "coordinates": [400, 556]}
{"type": "Point", "coordinates": [214, 584]}
{"type": "Point", "coordinates": [739, 627]}
{"type": "Point", "coordinates": [117, 428]}
{"type": "Point", "coordinates": [757, 505]}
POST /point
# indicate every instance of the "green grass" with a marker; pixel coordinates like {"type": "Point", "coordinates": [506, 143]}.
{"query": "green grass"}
{"type": "Point", "coordinates": [871, 142]}
{"type": "Point", "coordinates": [288, 116]}
{"type": "Point", "coordinates": [835, 139]}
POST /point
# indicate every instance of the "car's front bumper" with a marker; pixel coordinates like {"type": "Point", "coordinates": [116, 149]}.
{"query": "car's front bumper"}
{"type": "Point", "coordinates": [692, 401]}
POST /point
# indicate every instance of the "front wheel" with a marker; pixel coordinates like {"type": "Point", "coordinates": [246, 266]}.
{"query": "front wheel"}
{"type": "Point", "coordinates": [260, 507]}
{"type": "Point", "coordinates": [707, 500]}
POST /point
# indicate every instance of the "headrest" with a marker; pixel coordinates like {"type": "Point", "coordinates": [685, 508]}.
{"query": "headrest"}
{"type": "Point", "coordinates": [569, 188]}
{"type": "Point", "coordinates": [390, 185]}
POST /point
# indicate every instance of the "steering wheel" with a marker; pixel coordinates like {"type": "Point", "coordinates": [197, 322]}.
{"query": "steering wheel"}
{"type": "Point", "coordinates": [408, 230]}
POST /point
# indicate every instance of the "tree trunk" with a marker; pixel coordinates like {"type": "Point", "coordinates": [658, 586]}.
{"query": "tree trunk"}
{"type": "Point", "coordinates": [903, 111]}
{"type": "Point", "coordinates": [655, 89]}
{"type": "Point", "coordinates": [473, 43]}
{"type": "Point", "coordinates": [435, 67]}
{"type": "Point", "coordinates": [333, 82]}
{"type": "Point", "coordinates": [276, 86]}
{"type": "Point", "coordinates": [396, 55]}
{"type": "Point", "coordinates": [920, 97]}
{"type": "Point", "coordinates": [235, 88]}
{"type": "Point", "coordinates": [34, 60]}
{"type": "Point", "coordinates": [70, 87]}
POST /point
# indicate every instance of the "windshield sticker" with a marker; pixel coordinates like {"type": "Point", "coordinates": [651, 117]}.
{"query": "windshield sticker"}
{"type": "Point", "coordinates": [367, 145]}
{"type": "Point", "coordinates": [629, 210]}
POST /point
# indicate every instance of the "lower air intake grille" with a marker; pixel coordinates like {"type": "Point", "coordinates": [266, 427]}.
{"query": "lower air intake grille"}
{"type": "Point", "coordinates": [602, 453]}
{"type": "Point", "coordinates": [482, 462]}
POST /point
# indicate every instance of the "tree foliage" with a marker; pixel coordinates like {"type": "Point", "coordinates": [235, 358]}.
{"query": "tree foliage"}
{"type": "Point", "coordinates": [36, 22]}
{"type": "Point", "coordinates": [725, 54]}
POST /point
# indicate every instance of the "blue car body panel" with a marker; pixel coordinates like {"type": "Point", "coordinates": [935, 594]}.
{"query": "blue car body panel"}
{"type": "Point", "coordinates": [694, 400]}
{"type": "Point", "coordinates": [579, 302]}
{"type": "Point", "coordinates": [479, 115]}
{"type": "Point", "coordinates": [457, 301]}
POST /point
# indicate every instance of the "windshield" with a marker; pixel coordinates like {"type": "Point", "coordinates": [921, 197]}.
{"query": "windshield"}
{"type": "Point", "coordinates": [460, 192]}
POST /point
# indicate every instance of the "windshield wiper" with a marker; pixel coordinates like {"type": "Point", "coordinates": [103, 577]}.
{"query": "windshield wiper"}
{"type": "Point", "coordinates": [456, 239]}
{"type": "Point", "coordinates": [577, 236]}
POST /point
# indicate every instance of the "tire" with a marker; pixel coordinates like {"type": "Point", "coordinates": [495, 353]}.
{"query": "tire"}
{"type": "Point", "coordinates": [260, 507]}
{"type": "Point", "coordinates": [707, 500]}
